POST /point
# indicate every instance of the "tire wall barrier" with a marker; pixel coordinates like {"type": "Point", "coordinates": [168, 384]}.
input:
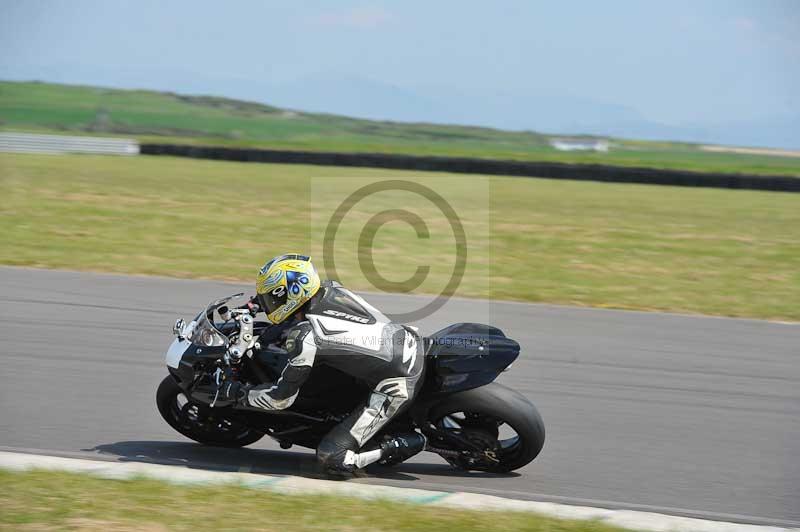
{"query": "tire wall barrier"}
{"type": "Point", "coordinates": [581, 172]}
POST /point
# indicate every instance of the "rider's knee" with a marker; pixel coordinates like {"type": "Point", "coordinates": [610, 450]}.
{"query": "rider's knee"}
{"type": "Point", "coordinates": [331, 458]}
{"type": "Point", "coordinates": [326, 453]}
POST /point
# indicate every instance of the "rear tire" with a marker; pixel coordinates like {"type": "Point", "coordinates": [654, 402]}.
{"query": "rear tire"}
{"type": "Point", "coordinates": [209, 428]}
{"type": "Point", "coordinates": [495, 401]}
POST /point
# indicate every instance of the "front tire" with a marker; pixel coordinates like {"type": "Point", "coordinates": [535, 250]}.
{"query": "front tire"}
{"type": "Point", "coordinates": [199, 422]}
{"type": "Point", "coordinates": [478, 414]}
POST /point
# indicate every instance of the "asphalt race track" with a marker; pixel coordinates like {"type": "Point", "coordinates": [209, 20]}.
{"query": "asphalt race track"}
{"type": "Point", "coordinates": [678, 414]}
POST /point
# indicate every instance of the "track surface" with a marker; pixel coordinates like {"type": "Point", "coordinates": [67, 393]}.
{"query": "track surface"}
{"type": "Point", "coordinates": [686, 415]}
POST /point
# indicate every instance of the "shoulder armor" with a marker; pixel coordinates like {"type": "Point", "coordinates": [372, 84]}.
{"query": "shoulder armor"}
{"type": "Point", "coordinates": [296, 337]}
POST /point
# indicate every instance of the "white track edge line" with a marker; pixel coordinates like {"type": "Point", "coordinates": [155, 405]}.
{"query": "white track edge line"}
{"type": "Point", "coordinates": [292, 484]}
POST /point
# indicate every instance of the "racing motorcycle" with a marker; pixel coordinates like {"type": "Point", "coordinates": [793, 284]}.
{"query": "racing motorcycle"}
{"type": "Point", "coordinates": [469, 420]}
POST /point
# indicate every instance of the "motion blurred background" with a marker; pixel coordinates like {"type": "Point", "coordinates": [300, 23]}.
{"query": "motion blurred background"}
{"type": "Point", "coordinates": [708, 72]}
{"type": "Point", "coordinates": [710, 87]}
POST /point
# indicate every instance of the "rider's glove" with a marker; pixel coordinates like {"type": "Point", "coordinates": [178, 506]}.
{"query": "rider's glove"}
{"type": "Point", "coordinates": [232, 390]}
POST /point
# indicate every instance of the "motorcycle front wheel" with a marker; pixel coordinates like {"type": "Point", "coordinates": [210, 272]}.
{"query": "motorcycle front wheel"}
{"type": "Point", "coordinates": [499, 428]}
{"type": "Point", "coordinates": [199, 422]}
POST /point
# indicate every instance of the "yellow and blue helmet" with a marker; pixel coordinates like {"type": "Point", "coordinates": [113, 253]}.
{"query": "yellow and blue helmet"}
{"type": "Point", "coordinates": [284, 284]}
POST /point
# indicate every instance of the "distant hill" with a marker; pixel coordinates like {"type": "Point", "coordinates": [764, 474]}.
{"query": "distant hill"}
{"type": "Point", "coordinates": [541, 109]}
{"type": "Point", "coordinates": [211, 120]}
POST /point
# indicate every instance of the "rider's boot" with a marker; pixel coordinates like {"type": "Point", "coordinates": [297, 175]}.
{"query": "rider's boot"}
{"type": "Point", "coordinates": [392, 450]}
{"type": "Point", "coordinates": [401, 447]}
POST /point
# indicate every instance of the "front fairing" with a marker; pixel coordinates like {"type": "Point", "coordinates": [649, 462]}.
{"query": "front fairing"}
{"type": "Point", "coordinates": [176, 351]}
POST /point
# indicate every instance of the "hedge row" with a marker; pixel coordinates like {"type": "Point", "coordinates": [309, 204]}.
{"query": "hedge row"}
{"type": "Point", "coordinates": [584, 172]}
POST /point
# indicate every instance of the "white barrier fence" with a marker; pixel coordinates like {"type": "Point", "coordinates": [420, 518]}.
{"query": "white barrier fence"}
{"type": "Point", "coordinates": [31, 143]}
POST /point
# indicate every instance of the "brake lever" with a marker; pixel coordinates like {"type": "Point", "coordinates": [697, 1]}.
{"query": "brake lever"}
{"type": "Point", "coordinates": [217, 375]}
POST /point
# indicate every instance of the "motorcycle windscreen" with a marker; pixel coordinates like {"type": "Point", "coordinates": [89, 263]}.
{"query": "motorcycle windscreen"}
{"type": "Point", "coordinates": [207, 331]}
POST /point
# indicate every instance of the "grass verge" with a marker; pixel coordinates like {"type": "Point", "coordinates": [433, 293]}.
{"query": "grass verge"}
{"type": "Point", "coordinates": [66, 501]}
{"type": "Point", "coordinates": [723, 252]}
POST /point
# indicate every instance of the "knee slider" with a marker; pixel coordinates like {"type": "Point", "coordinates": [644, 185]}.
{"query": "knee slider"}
{"type": "Point", "coordinates": [330, 455]}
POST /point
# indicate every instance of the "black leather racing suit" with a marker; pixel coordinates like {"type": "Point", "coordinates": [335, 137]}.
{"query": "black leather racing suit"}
{"type": "Point", "coordinates": [343, 331]}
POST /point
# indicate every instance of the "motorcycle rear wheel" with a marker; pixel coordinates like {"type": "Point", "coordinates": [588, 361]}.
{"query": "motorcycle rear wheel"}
{"type": "Point", "coordinates": [199, 422]}
{"type": "Point", "coordinates": [478, 415]}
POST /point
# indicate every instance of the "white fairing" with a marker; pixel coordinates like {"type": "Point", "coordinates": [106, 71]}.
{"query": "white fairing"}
{"type": "Point", "coordinates": [176, 351]}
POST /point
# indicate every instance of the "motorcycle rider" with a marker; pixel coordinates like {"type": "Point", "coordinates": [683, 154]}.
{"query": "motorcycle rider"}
{"type": "Point", "coordinates": [327, 324]}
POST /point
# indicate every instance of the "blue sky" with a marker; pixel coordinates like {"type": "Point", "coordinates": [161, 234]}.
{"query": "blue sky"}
{"type": "Point", "coordinates": [674, 69]}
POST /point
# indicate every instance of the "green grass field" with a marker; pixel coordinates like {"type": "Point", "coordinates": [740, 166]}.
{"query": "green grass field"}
{"type": "Point", "coordinates": [164, 117]}
{"type": "Point", "coordinates": [723, 252]}
{"type": "Point", "coordinates": [63, 501]}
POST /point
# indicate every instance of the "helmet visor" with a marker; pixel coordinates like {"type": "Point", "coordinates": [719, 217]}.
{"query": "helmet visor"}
{"type": "Point", "coordinates": [272, 300]}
